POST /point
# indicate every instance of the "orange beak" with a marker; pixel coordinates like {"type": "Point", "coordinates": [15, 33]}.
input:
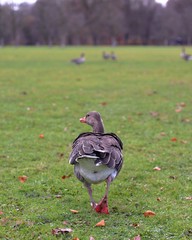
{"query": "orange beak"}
{"type": "Point", "coordinates": [82, 120]}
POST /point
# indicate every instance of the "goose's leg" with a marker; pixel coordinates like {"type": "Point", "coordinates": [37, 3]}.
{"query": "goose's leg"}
{"type": "Point", "coordinates": [89, 189]}
{"type": "Point", "coordinates": [102, 207]}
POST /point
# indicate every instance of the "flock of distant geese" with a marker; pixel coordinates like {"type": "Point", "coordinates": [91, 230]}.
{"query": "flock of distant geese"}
{"type": "Point", "coordinates": [106, 56]}
{"type": "Point", "coordinates": [112, 56]}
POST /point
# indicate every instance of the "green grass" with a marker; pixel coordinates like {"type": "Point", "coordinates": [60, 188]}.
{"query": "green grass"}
{"type": "Point", "coordinates": [41, 92]}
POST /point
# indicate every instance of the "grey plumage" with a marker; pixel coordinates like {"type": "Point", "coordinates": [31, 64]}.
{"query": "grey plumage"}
{"type": "Point", "coordinates": [79, 60]}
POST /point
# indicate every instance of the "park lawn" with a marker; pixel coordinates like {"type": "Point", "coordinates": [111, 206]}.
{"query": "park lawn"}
{"type": "Point", "coordinates": [144, 97]}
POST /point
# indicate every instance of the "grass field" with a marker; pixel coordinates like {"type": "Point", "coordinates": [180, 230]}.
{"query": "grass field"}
{"type": "Point", "coordinates": [145, 97]}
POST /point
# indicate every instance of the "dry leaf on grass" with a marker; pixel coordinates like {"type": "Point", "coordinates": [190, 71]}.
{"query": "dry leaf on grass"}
{"type": "Point", "coordinates": [58, 231]}
{"type": "Point", "coordinates": [66, 176]}
{"type": "Point", "coordinates": [174, 139]}
{"type": "Point", "coordinates": [189, 198]}
{"type": "Point", "coordinates": [41, 135]}
{"type": "Point", "coordinates": [159, 199]}
{"type": "Point", "coordinates": [101, 223]}
{"type": "Point", "coordinates": [135, 225]}
{"type": "Point", "coordinates": [157, 168]}
{"type": "Point", "coordinates": [149, 213]}
{"type": "Point", "coordinates": [23, 178]}
{"type": "Point", "coordinates": [74, 211]}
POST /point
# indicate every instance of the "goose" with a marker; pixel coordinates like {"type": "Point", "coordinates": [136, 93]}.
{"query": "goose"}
{"type": "Point", "coordinates": [113, 56]}
{"type": "Point", "coordinates": [79, 60]}
{"type": "Point", "coordinates": [184, 55]}
{"type": "Point", "coordinates": [106, 56]}
{"type": "Point", "coordinates": [97, 157]}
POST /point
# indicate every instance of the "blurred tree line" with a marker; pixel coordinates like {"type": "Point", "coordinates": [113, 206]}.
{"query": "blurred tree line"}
{"type": "Point", "coordinates": [94, 22]}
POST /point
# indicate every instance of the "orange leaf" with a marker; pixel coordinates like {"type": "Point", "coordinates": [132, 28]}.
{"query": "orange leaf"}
{"type": "Point", "coordinates": [174, 139]}
{"type": "Point", "coordinates": [41, 135]}
{"type": "Point", "coordinates": [157, 168]}
{"type": "Point", "coordinates": [23, 178]}
{"type": "Point", "coordinates": [74, 211]}
{"type": "Point", "coordinates": [149, 213]}
{"type": "Point", "coordinates": [101, 223]}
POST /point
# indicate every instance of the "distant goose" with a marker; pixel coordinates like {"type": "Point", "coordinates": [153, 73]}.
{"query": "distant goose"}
{"type": "Point", "coordinates": [184, 55]}
{"type": "Point", "coordinates": [113, 56]}
{"type": "Point", "coordinates": [106, 56]}
{"type": "Point", "coordinates": [97, 157]}
{"type": "Point", "coordinates": [79, 60]}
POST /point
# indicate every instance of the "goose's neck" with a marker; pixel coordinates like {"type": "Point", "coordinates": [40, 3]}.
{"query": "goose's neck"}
{"type": "Point", "coordinates": [98, 128]}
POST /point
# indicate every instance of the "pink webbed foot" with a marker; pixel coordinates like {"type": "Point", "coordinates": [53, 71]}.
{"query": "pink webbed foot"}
{"type": "Point", "coordinates": [102, 207]}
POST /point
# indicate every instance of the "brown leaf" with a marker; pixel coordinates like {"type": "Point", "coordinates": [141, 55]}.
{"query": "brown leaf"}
{"type": "Point", "coordinates": [23, 178]}
{"type": "Point", "coordinates": [163, 134]}
{"type": "Point", "coordinates": [154, 114]}
{"type": "Point", "coordinates": [101, 223]}
{"type": "Point", "coordinates": [57, 231]}
{"type": "Point", "coordinates": [66, 176]}
{"type": "Point", "coordinates": [159, 199]}
{"type": "Point", "coordinates": [135, 225]}
{"type": "Point", "coordinates": [74, 211]}
{"type": "Point", "coordinates": [149, 213]}
{"type": "Point", "coordinates": [103, 103]}
{"type": "Point", "coordinates": [58, 196]}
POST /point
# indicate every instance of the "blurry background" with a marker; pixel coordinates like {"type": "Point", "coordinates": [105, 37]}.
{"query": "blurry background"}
{"type": "Point", "coordinates": [93, 22]}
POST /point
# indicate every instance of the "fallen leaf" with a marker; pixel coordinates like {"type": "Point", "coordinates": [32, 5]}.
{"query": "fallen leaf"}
{"type": "Point", "coordinates": [66, 176]}
{"type": "Point", "coordinates": [23, 178]}
{"type": "Point", "coordinates": [173, 177]}
{"type": "Point", "coordinates": [174, 139]}
{"type": "Point", "coordinates": [157, 168]}
{"type": "Point", "coordinates": [103, 103]}
{"type": "Point", "coordinates": [137, 237]}
{"type": "Point", "coordinates": [57, 231]}
{"type": "Point", "coordinates": [189, 198]}
{"type": "Point", "coordinates": [74, 211]}
{"type": "Point", "coordinates": [101, 223]}
{"type": "Point", "coordinates": [163, 134]}
{"type": "Point", "coordinates": [149, 213]}
{"type": "Point", "coordinates": [58, 196]}
{"type": "Point", "coordinates": [182, 104]}
{"type": "Point", "coordinates": [41, 135]}
{"type": "Point", "coordinates": [186, 120]}
{"type": "Point", "coordinates": [159, 199]}
{"type": "Point", "coordinates": [135, 225]}
{"type": "Point", "coordinates": [154, 114]}
{"type": "Point", "coordinates": [184, 141]}
{"type": "Point", "coordinates": [178, 109]}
